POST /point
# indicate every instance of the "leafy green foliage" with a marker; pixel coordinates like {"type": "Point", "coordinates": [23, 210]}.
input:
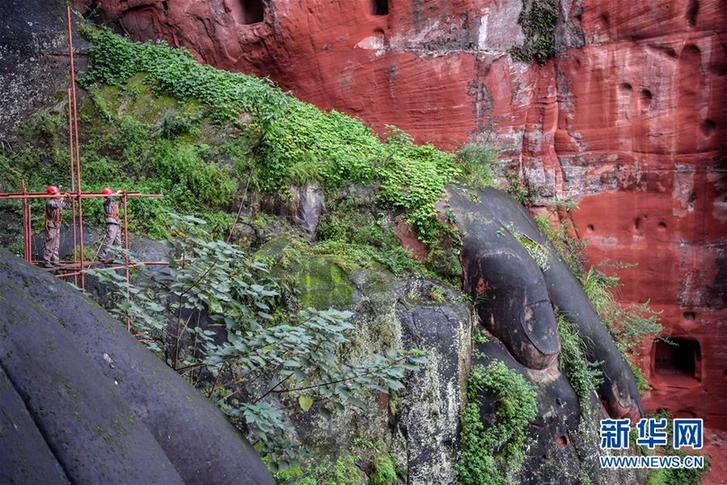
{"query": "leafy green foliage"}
{"type": "Point", "coordinates": [155, 121]}
{"type": "Point", "coordinates": [517, 188]}
{"type": "Point", "coordinates": [677, 476]}
{"type": "Point", "coordinates": [476, 161]}
{"type": "Point", "coordinates": [629, 325]}
{"type": "Point", "coordinates": [366, 234]}
{"type": "Point", "coordinates": [125, 153]}
{"type": "Point", "coordinates": [341, 472]}
{"type": "Point", "coordinates": [674, 476]}
{"type": "Point", "coordinates": [570, 248]}
{"type": "Point", "coordinates": [347, 228]}
{"type": "Point", "coordinates": [583, 376]}
{"type": "Point", "coordinates": [115, 59]}
{"type": "Point", "coordinates": [493, 452]}
{"type": "Point", "coordinates": [538, 20]}
{"type": "Point", "coordinates": [384, 470]}
{"type": "Point", "coordinates": [371, 455]}
{"type": "Point", "coordinates": [216, 318]}
{"type": "Point", "coordinates": [295, 141]}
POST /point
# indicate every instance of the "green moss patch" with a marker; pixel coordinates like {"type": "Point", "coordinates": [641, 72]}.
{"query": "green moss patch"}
{"type": "Point", "coordinates": [135, 140]}
{"type": "Point", "coordinates": [319, 279]}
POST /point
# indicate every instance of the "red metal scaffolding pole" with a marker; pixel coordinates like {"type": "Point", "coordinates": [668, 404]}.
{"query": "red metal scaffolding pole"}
{"type": "Point", "coordinates": [77, 267]}
{"type": "Point", "coordinates": [78, 150]}
{"type": "Point", "coordinates": [27, 232]}
{"type": "Point", "coordinates": [73, 179]}
{"type": "Point", "coordinates": [120, 266]}
{"type": "Point", "coordinates": [126, 257]}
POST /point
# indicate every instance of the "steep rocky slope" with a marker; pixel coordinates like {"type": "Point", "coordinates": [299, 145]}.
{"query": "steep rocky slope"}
{"type": "Point", "coordinates": [628, 120]}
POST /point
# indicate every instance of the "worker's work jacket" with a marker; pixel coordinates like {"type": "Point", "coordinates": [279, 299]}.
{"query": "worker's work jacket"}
{"type": "Point", "coordinates": [111, 211]}
{"type": "Point", "coordinates": [53, 208]}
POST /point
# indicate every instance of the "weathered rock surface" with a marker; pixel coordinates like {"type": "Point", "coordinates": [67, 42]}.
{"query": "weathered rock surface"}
{"type": "Point", "coordinates": [303, 206]}
{"type": "Point", "coordinates": [34, 61]}
{"type": "Point", "coordinates": [428, 418]}
{"type": "Point", "coordinates": [82, 401]}
{"type": "Point", "coordinates": [629, 120]}
{"type": "Point", "coordinates": [515, 296]}
{"type": "Point", "coordinates": [420, 425]}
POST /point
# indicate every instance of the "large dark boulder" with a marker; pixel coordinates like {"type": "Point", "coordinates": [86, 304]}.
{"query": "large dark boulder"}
{"type": "Point", "coordinates": [428, 420]}
{"type": "Point", "coordinates": [82, 401]}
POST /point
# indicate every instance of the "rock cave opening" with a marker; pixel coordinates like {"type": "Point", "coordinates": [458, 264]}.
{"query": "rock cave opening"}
{"type": "Point", "coordinates": [379, 7]}
{"type": "Point", "coordinates": [692, 12]}
{"type": "Point", "coordinates": [646, 97]}
{"type": "Point", "coordinates": [249, 11]}
{"type": "Point", "coordinates": [677, 360]}
{"type": "Point", "coordinates": [708, 127]}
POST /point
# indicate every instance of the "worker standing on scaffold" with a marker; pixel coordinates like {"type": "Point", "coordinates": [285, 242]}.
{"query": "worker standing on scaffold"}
{"type": "Point", "coordinates": [53, 208]}
{"type": "Point", "coordinates": [113, 231]}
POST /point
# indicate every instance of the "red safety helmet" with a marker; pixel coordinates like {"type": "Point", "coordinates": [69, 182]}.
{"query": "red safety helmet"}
{"type": "Point", "coordinates": [107, 191]}
{"type": "Point", "coordinates": [53, 190]}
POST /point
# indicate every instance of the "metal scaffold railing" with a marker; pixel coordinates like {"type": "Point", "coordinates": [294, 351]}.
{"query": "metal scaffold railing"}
{"type": "Point", "coordinates": [78, 265]}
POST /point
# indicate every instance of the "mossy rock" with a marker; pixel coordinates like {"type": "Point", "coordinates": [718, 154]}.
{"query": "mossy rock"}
{"type": "Point", "coordinates": [136, 99]}
{"type": "Point", "coordinates": [321, 280]}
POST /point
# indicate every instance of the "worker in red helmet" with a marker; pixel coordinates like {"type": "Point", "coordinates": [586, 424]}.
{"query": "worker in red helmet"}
{"type": "Point", "coordinates": [53, 209]}
{"type": "Point", "coordinates": [113, 231]}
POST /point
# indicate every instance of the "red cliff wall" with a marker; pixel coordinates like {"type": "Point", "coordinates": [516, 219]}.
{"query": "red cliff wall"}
{"type": "Point", "coordinates": [630, 120]}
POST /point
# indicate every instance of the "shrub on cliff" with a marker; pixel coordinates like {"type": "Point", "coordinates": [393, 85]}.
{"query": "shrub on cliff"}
{"type": "Point", "coordinates": [583, 376]}
{"type": "Point", "coordinates": [216, 318]}
{"type": "Point", "coordinates": [538, 20]}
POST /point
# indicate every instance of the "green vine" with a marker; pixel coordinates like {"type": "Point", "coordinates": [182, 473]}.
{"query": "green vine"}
{"type": "Point", "coordinates": [583, 376]}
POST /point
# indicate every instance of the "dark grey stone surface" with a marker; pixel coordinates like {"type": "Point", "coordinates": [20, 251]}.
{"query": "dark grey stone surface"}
{"type": "Point", "coordinates": [487, 223]}
{"type": "Point", "coordinates": [34, 61]}
{"type": "Point", "coordinates": [109, 410]}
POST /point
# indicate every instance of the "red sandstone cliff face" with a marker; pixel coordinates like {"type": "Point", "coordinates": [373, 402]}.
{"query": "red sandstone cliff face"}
{"type": "Point", "coordinates": [629, 120]}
